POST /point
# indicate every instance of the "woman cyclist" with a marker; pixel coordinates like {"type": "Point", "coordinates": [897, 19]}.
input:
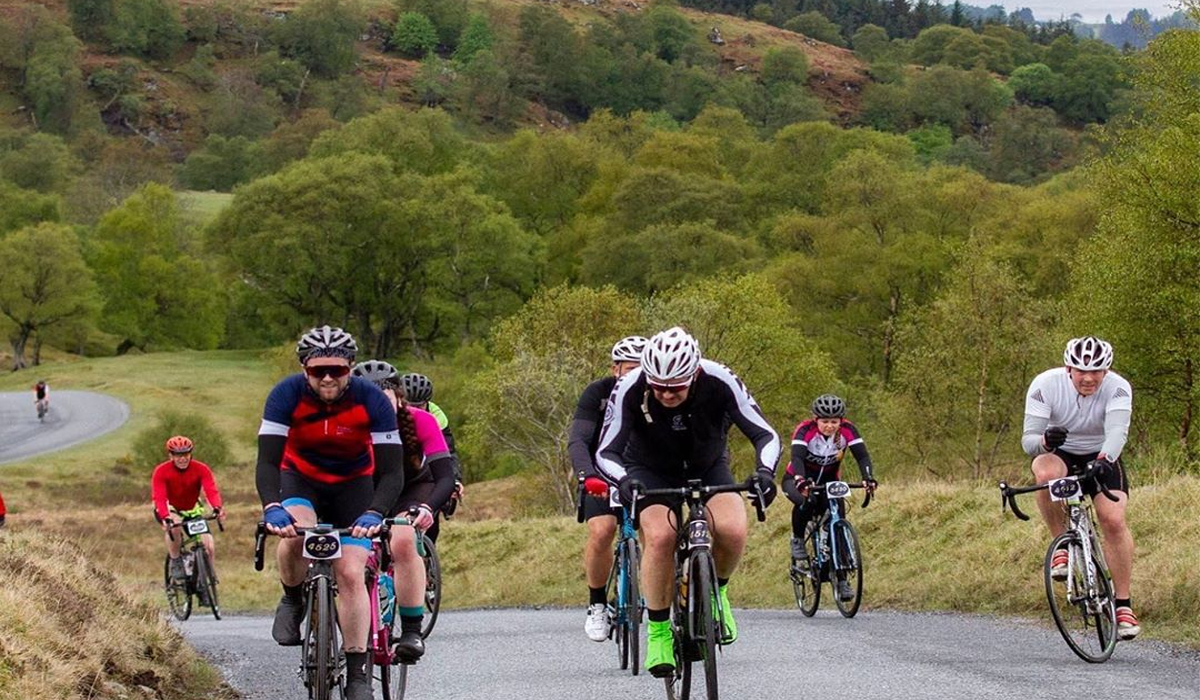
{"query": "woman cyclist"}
{"type": "Point", "coordinates": [818, 447]}
{"type": "Point", "coordinates": [428, 483]}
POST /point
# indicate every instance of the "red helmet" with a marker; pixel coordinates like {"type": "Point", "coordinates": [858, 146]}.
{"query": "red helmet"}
{"type": "Point", "coordinates": [179, 444]}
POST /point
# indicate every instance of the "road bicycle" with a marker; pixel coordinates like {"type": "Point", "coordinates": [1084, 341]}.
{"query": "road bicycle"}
{"type": "Point", "coordinates": [43, 407]}
{"type": "Point", "coordinates": [831, 553]}
{"type": "Point", "coordinates": [201, 579]}
{"type": "Point", "coordinates": [696, 612]}
{"type": "Point", "coordinates": [1081, 602]}
{"type": "Point", "coordinates": [391, 669]}
{"type": "Point", "coordinates": [625, 603]}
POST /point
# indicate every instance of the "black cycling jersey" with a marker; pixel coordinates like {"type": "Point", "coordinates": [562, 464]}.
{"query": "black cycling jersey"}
{"type": "Point", "coordinates": [587, 424]}
{"type": "Point", "coordinates": [692, 438]}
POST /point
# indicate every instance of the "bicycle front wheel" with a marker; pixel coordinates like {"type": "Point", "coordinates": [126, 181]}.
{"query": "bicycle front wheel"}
{"type": "Point", "coordinates": [206, 583]}
{"type": "Point", "coordinates": [321, 653]}
{"type": "Point", "coordinates": [1082, 606]}
{"type": "Point", "coordinates": [848, 568]}
{"type": "Point", "coordinates": [806, 575]}
{"type": "Point", "coordinates": [178, 600]}
{"type": "Point", "coordinates": [394, 680]}
{"type": "Point", "coordinates": [433, 587]}
{"type": "Point", "coordinates": [633, 605]}
{"type": "Point", "coordinates": [702, 603]}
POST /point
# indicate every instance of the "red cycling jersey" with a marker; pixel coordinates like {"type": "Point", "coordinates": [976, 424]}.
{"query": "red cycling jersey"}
{"type": "Point", "coordinates": [180, 488]}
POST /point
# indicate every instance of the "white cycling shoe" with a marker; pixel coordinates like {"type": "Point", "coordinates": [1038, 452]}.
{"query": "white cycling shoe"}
{"type": "Point", "coordinates": [596, 625]}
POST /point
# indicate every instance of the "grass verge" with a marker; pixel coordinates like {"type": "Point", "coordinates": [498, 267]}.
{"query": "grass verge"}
{"type": "Point", "coordinates": [72, 631]}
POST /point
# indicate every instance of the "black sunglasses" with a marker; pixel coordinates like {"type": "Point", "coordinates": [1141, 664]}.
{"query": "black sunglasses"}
{"type": "Point", "coordinates": [322, 371]}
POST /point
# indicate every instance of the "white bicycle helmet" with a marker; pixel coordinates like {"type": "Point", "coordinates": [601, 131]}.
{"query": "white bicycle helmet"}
{"type": "Point", "coordinates": [671, 356]}
{"type": "Point", "coordinates": [629, 349]}
{"type": "Point", "coordinates": [326, 341]}
{"type": "Point", "coordinates": [379, 373]}
{"type": "Point", "coordinates": [1088, 353]}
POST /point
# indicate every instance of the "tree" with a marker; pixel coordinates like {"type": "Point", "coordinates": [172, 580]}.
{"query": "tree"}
{"type": "Point", "coordinates": [485, 91]}
{"type": "Point", "coordinates": [870, 41]}
{"type": "Point", "coordinates": [414, 36]}
{"type": "Point", "coordinates": [449, 17]}
{"type": "Point", "coordinates": [90, 19]}
{"type": "Point", "coordinates": [425, 141]}
{"type": "Point", "coordinates": [477, 36]}
{"type": "Point", "coordinates": [45, 55]}
{"type": "Point", "coordinates": [321, 34]}
{"type": "Point", "coordinates": [817, 26]}
{"type": "Point", "coordinates": [1034, 84]}
{"type": "Point", "coordinates": [220, 163]}
{"type": "Point", "coordinates": [1028, 143]}
{"type": "Point", "coordinates": [40, 162]}
{"type": "Point", "coordinates": [930, 46]}
{"type": "Point", "coordinates": [20, 208]}
{"type": "Point", "coordinates": [46, 284]}
{"type": "Point", "coordinates": [155, 293]}
{"type": "Point", "coordinates": [147, 28]}
{"type": "Point", "coordinates": [788, 65]}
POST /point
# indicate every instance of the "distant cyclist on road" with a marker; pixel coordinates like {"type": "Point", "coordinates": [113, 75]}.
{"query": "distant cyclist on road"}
{"type": "Point", "coordinates": [328, 448]}
{"type": "Point", "coordinates": [600, 513]}
{"type": "Point", "coordinates": [1073, 415]}
{"type": "Point", "coordinates": [417, 391]}
{"type": "Point", "coordinates": [667, 422]}
{"type": "Point", "coordinates": [428, 484]}
{"type": "Point", "coordinates": [818, 446]}
{"type": "Point", "coordinates": [41, 396]}
{"type": "Point", "coordinates": [176, 483]}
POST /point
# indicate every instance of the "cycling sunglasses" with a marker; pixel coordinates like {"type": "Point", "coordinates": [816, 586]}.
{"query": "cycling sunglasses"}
{"type": "Point", "coordinates": [668, 388]}
{"type": "Point", "coordinates": [322, 371]}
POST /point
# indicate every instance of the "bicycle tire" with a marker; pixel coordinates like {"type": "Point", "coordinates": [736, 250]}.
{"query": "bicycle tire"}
{"type": "Point", "coordinates": [394, 680]}
{"type": "Point", "coordinates": [618, 627]}
{"type": "Point", "coordinates": [807, 586]}
{"type": "Point", "coordinates": [206, 582]}
{"type": "Point", "coordinates": [433, 587]}
{"type": "Point", "coordinates": [633, 604]}
{"type": "Point", "coordinates": [850, 556]}
{"type": "Point", "coordinates": [703, 596]}
{"type": "Point", "coordinates": [1078, 616]}
{"type": "Point", "coordinates": [325, 652]}
{"type": "Point", "coordinates": [179, 602]}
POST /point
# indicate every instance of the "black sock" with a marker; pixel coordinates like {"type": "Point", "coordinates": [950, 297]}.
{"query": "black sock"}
{"type": "Point", "coordinates": [722, 582]}
{"type": "Point", "coordinates": [411, 623]}
{"type": "Point", "coordinates": [293, 592]}
{"type": "Point", "coordinates": [1124, 603]}
{"type": "Point", "coordinates": [356, 665]}
{"type": "Point", "coordinates": [659, 615]}
{"type": "Point", "coordinates": [595, 596]}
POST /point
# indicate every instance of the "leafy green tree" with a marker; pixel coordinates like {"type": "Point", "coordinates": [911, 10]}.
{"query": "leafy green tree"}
{"type": "Point", "coordinates": [238, 106]}
{"type": "Point", "coordinates": [541, 177]}
{"type": "Point", "coordinates": [20, 208]}
{"type": "Point", "coordinates": [435, 81]}
{"type": "Point", "coordinates": [44, 55]}
{"type": "Point", "coordinates": [291, 141]}
{"type": "Point", "coordinates": [40, 162]}
{"type": "Point", "coordinates": [549, 56]}
{"type": "Point", "coordinates": [90, 19]}
{"type": "Point", "coordinates": [449, 17]}
{"type": "Point", "coordinates": [155, 292]}
{"type": "Point", "coordinates": [671, 31]}
{"type": "Point", "coordinates": [147, 28]}
{"type": "Point", "coordinates": [322, 35]}
{"type": "Point", "coordinates": [1089, 86]}
{"type": "Point", "coordinates": [220, 164]}
{"type": "Point", "coordinates": [1034, 84]}
{"type": "Point", "coordinates": [968, 403]}
{"type": "Point", "coordinates": [929, 48]}
{"type": "Point", "coordinates": [485, 91]}
{"type": "Point", "coordinates": [817, 26]}
{"type": "Point", "coordinates": [283, 75]}
{"type": "Point", "coordinates": [663, 256]}
{"type": "Point", "coordinates": [788, 65]}
{"type": "Point", "coordinates": [871, 42]}
{"type": "Point", "coordinates": [46, 284]}
{"type": "Point", "coordinates": [477, 36]}
{"type": "Point", "coordinates": [425, 141]}
{"type": "Point", "coordinates": [931, 142]}
{"type": "Point", "coordinates": [210, 442]}
{"type": "Point", "coordinates": [1028, 143]}
{"type": "Point", "coordinates": [414, 36]}
{"type": "Point", "coordinates": [886, 107]}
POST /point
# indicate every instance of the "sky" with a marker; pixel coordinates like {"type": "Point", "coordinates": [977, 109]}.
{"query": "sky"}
{"type": "Point", "coordinates": [1092, 10]}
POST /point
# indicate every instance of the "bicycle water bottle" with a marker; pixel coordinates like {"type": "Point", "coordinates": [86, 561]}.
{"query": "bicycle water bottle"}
{"type": "Point", "coordinates": [189, 564]}
{"type": "Point", "coordinates": [387, 598]}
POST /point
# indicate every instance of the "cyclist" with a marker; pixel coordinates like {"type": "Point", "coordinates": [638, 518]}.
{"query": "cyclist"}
{"type": "Point", "coordinates": [1073, 415]}
{"type": "Point", "coordinates": [3, 511]}
{"type": "Point", "coordinates": [601, 514]}
{"type": "Point", "coordinates": [818, 446]}
{"type": "Point", "coordinates": [326, 439]}
{"type": "Point", "coordinates": [41, 395]}
{"type": "Point", "coordinates": [428, 483]}
{"type": "Point", "coordinates": [667, 422]}
{"type": "Point", "coordinates": [417, 391]}
{"type": "Point", "coordinates": [176, 483]}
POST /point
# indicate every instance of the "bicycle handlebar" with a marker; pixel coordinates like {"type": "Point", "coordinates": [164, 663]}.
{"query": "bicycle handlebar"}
{"type": "Point", "coordinates": [852, 484]}
{"type": "Point", "coordinates": [692, 493]}
{"type": "Point", "coordinates": [1008, 494]}
{"type": "Point", "coordinates": [260, 534]}
{"type": "Point", "coordinates": [220, 525]}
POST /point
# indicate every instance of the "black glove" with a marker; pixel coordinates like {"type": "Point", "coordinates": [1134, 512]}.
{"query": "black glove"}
{"type": "Point", "coordinates": [870, 483]}
{"type": "Point", "coordinates": [1054, 437]}
{"type": "Point", "coordinates": [626, 487]}
{"type": "Point", "coordinates": [765, 480]}
{"type": "Point", "coordinates": [1101, 467]}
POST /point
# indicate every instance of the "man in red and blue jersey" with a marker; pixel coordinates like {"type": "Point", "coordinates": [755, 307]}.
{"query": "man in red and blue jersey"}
{"type": "Point", "coordinates": [324, 437]}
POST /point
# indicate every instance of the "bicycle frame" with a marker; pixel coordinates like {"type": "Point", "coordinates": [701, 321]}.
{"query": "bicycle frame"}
{"type": "Point", "coordinates": [826, 545]}
{"type": "Point", "coordinates": [620, 574]}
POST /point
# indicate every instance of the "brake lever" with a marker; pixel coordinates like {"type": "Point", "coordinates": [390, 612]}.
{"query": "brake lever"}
{"type": "Point", "coordinates": [260, 542]}
{"type": "Point", "coordinates": [759, 510]}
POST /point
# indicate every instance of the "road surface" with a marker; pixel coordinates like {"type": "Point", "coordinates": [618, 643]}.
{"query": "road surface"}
{"type": "Point", "coordinates": [74, 417]}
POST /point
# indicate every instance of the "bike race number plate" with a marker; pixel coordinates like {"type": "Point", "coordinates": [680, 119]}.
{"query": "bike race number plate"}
{"type": "Point", "coordinates": [196, 528]}
{"type": "Point", "coordinates": [1065, 489]}
{"type": "Point", "coordinates": [322, 545]}
{"type": "Point", "coordinates": [837, 489]}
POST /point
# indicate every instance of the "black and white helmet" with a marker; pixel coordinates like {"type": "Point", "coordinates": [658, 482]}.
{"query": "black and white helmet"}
{"type": "Point", "coordinates": [326, 341]}
{"type": "Point", "coordinates": [629, 349]}
{"type": "Point", "coordinates": [1088, 353]}
{"type": "Point", "coordinates": [829, 406]}
{"type": "Point", "coordinates": [671, 356]}
{"type": "Point", "coordinates": [417, 388]}
{"type": "Point", "coordinates": [379, 373]}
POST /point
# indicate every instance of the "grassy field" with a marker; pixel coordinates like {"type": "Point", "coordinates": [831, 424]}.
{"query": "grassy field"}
{"type": "Point", "coordinates": [202, 207]}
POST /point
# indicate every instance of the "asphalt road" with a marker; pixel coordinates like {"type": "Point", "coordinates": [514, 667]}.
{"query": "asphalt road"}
{"type": "Point", "coordinates": [74, 417]}
{"type": "Point", "coordinates": [523, 654]}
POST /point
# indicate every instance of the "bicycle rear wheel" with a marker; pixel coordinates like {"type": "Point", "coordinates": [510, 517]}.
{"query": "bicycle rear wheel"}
{"type": "Point", "coordinates": [1087, 621]}
{"type": "Point", "coordinates": [806, 575]}
{"type": "Point", "coordinates": [433, 587]}
{"type": "Point", "coordinates": [633, 605]}
{"type": "Point", "coordinates": [849, 567]}
{"type": "Point", "coordinates": [206, 583]}
{"type": "Point", "coordinates": [702, 605]}
{"type": "Point", "coordinates": [178, 600]}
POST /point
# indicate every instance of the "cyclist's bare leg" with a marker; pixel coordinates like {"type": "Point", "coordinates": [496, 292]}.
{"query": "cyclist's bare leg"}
{"type": "Point", "coordinates": [353, 606]}
{"type": "Point", "coordinates": [408, 567]}
{"type": "Point", "coordinates": [727, 516]}
{"type": "Point", "coordinates": [173, 538]}
{"type": "Point", "coordinates": [1118, 541]}
{"type": "Point", "coordinates": [210, 546]}
{"type": "Point", "coordinates": [292, 567]}
{"type": "Point", "coordinates": [658, 559]}
{"type": "Point", "coordinates": [598, 553]}
{"type": "Point", "coordinates": [1046, 467]}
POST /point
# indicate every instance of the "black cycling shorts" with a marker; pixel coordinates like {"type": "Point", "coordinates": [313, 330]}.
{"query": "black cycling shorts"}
{"type": "Point", "coordinates": [716, 475]}
{"type": "Point", "coordinates": [1115, 479]}
{"type": "Point", "coordinates": [337, 504]}
{"type": "Point", "coordinates": [596, 507]}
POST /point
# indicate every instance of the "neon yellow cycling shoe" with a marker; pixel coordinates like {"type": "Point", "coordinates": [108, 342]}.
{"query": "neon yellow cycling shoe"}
{"type": "Point", "coordinates": [660, 649]}
{"type": "Point", "coordinates": [727, 621]}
